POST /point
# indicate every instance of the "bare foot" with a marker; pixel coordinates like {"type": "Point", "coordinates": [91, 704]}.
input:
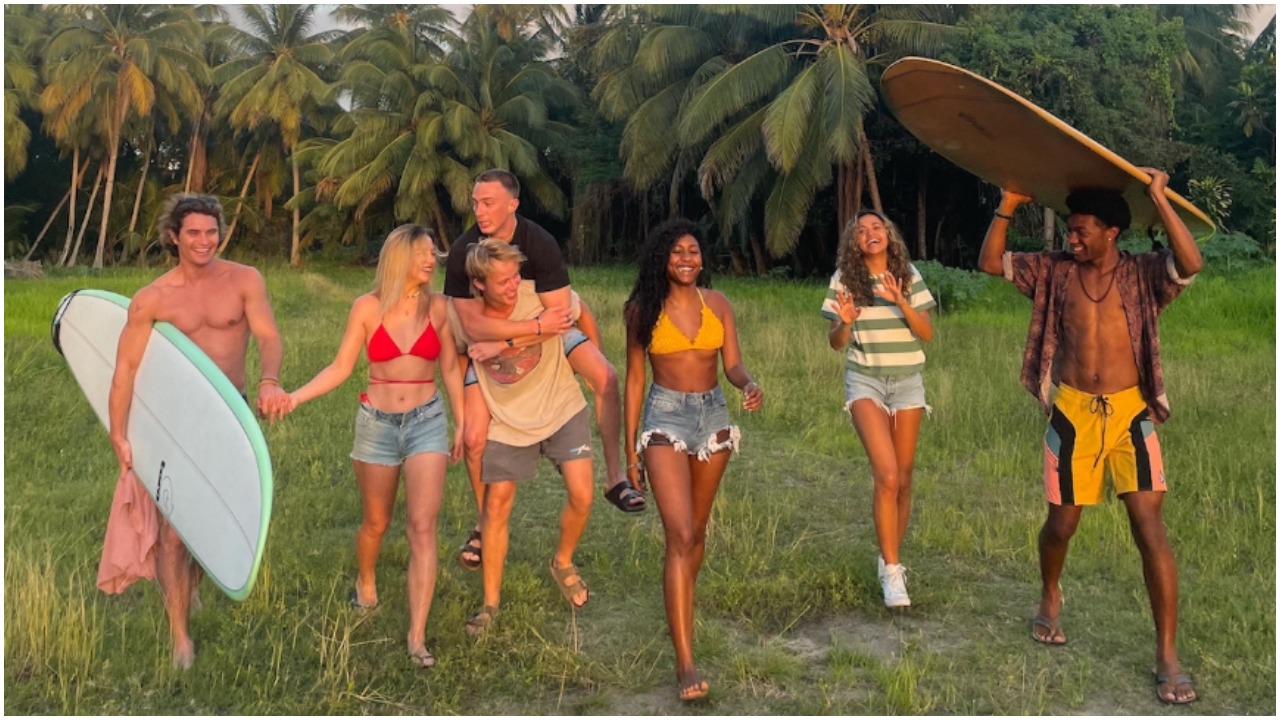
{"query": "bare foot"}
{"type": "Point", "coordinates": [692, 686]}
{"type": "Point", "coordinates": [184, 655]}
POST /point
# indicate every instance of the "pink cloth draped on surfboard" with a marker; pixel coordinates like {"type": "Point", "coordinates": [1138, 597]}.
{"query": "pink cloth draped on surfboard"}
{"type": "Point", "coordinates": [133, 529]}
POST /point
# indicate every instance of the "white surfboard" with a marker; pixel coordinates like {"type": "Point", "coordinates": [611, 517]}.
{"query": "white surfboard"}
{"type": "Point", "coordinates": [197, 448]}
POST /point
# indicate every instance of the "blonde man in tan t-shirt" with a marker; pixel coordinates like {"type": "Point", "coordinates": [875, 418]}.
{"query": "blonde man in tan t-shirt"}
{"type": "Point", "coordinates": [537, 410]}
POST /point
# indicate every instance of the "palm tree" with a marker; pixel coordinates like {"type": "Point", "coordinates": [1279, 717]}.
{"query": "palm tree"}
{"type": "Point", "coordinates": [765, 99]}
{"type": "Point", "coordinates": [278, 82]}
{"type": "Point", "coordinates": [23, 41]}
{"type": "Point", "coordinates": [1213, 33]}
{"type": "Point", "coordinates": [108, 63]}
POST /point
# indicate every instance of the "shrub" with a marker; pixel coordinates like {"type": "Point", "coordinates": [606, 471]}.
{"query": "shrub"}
{"type": "Point", "coordinates": [953, 288]}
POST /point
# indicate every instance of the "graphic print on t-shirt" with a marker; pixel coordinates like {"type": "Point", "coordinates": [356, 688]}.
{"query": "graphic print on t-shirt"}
{"type": "Point", "coordinates": [513, 364]}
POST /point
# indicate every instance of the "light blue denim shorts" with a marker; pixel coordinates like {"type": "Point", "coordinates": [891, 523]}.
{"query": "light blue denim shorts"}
{"type": "Point", "coordinates": [384, 438]}
{"type": "Point", "coordinates": [572, 339]}
{"type": "Point", "coordinates": [688, 422]}
{"type": "Point", "coordinates": [891, 393]}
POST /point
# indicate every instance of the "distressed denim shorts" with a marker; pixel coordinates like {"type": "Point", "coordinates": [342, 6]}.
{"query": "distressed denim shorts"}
{"type": "Point", "coordinates": [384, 438]}
{"type": "Point", "coordinates": [891, 393]}
{"type": "Point", "coordinates": [688, 422]}
{"type": "Point", "coordinates": [572, 339]}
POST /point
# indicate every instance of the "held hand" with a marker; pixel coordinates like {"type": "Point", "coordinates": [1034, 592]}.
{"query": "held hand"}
{"type": "Point", "coordinates": [1159, 181]}
{"type": "Point", "coordinates": [455, 449]}
{"type": "Point", "coordinates": [273, 402]}
{"type": "Point", "coordinates": [555, 320]}
{"type": "Point", "coordinates": [752, 397]}
{"type": "Point", "coordinates": [124, 453]}
{"type": "Point", "coordinates": [845, 308]}
{"type": "Point", "coordinates": [890, 288]}
{"type": "Point", "coordinates": [487, 350]}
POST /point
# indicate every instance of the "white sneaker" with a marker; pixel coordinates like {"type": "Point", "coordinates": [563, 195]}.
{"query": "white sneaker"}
{"type": "Point", "coordinates": [893, 582]}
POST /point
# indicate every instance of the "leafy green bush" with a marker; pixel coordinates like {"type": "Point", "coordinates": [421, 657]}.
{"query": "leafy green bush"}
{"type": "Point", "coordinates": [953, 288]}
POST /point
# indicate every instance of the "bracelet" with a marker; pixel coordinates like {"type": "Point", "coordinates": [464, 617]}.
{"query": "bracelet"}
{"type": "Point", "coordinates": [268, 381]}
{"type": "Point", "coordinates": [633, 465]}
{"type": "Point", "coordinates": [1002, 216]}
{"type": "Point", "coordinates": [538, 319]}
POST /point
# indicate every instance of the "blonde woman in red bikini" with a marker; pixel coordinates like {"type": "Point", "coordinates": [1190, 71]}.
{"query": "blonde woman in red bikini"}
{"type": "Point", "coordinates": [402, 326]}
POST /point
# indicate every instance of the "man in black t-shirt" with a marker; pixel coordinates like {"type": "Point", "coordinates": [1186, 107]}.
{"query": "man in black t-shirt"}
{"type": "Point", "coordinates": [494, 200]}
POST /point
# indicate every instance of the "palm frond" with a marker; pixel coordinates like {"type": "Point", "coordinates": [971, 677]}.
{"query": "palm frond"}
{"type": "Point", "coordinates": [786, 123]}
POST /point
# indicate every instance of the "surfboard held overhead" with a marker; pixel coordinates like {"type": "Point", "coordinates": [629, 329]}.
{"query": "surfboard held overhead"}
{"type": "Point", "coordinates": [1014, 144]}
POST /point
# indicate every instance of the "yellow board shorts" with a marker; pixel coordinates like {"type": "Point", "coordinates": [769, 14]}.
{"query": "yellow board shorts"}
{"type": "Point", "coordinates": [1089, 432]}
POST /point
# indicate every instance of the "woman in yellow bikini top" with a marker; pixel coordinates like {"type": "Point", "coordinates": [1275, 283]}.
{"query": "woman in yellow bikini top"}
{"type": "Point", "coordinates": [668, 339]}
{"type": "Point", "coordinates": [685, 335]}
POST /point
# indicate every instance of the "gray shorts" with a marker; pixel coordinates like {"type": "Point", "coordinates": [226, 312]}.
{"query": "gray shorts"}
{"type": "Point", "coordinates": [688, 422]}
{"type": "Point", "coordinates": [572, 339]}
{"type": "Point", "coordinates": [891, 393]}
{"type": "Point", "coordinates": [509, 463]}
{"type": "Point", "coordinates": [384, 438]}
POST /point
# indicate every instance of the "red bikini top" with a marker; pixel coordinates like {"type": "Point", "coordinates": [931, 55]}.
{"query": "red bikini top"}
{"type": "Point", "coordinates": [382, 348]}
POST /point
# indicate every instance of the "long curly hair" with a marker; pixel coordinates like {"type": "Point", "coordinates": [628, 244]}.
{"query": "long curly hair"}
{"type": "Point", "coordinates": [644, 305]}
{"type": "Point", "coordinates": [853, 266]}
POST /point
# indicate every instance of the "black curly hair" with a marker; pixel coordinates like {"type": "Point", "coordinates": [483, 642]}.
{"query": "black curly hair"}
{"type": "Point", "coordinates": [853, 268]}
{"type": "Point", "coordinates": [644, 305]}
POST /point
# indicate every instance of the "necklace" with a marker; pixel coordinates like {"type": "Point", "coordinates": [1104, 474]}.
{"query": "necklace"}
{"type": "Point", "coordinates": [1085, 290]}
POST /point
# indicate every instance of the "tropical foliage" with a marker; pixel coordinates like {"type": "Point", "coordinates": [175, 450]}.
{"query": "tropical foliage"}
{"type": "Point", "coordinates": [761, 122]}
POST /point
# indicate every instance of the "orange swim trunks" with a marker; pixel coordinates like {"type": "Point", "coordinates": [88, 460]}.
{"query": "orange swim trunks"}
{"type": "Point", "coordinates": [1088, 433]}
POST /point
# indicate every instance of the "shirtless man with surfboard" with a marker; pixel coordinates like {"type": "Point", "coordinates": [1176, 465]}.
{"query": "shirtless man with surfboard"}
{"type": "Point", "coordinates": [217, 304]}
{"type": "Point", "coordinates": [1093, 361]}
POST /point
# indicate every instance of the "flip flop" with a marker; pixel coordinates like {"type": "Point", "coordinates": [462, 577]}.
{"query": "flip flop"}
{"type": "Point", "coordinates": [1174, 682]}
{"type": "Point", "coordinates": [568, 589]}
{"type": "Point", "coordinates": [354, 598]}
{"type": "Point", "coordinates": [1053, 626]}
{"type": "Point", "coordinates": [479, 623]}
{"type": "Point", "coordinates": [471, 546]}
{"type": "Point", "coordinates": [423, 659]}
{"type": "Point", "coordinates": [625, 498]}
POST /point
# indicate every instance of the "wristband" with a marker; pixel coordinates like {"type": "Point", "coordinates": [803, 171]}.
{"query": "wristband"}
{"type": "Point", "coordinates": [268, 381]}
{"type": "Point", "coordinates": [538, 319]}
{"type": "Point", "coordinates": [1002, 216]}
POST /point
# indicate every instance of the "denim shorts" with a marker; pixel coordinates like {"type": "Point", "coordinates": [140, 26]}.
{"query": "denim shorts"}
{"type": "Point", "coordinates": [384, 438]}
{"type": "Point", "coordinates": [688, 422]}
{"type": "Point", "coordinates": [572, 339]}
{"type": "Point", "coordinates": [891, 393]}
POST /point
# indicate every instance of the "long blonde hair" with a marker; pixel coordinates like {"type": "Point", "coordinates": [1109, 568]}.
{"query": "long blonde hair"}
{"type": "Point", "coordinates": [394, 263]}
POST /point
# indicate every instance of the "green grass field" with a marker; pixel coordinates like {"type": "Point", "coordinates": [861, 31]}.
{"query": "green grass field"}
{"type": "Point", "coordinates": [790, 619]}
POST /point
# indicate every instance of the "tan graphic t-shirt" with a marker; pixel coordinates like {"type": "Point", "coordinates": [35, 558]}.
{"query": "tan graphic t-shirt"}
{"type": "Point", "coordinates": [530, 391]}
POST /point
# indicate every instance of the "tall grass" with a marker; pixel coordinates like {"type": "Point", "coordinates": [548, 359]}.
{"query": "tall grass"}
{"type": "Point", "coordinates": [789, 618]}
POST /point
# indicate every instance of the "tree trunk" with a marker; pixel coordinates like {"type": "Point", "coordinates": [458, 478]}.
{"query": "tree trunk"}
{"type": "Point", "coordinates": [922, 183]}
{"type": "Point", "coordinates": [77, 176]}
{"type": "Point", "coordinates": [47, 224]}
{"type": "Point", "coordinates": [195, 160]}
{"type": "Point", "coordinates": [847, 191]}
{"type": "Point", "coordinates": [1049, 235]}
{"type": "Point", "coordinates": [244, 190]}
{"type": "Point", "coordinates": [757, 251]}
{"type": "Point", "coordinates": [858, 179]}
{"type": "Point", "coordinates": [295, 252]}
{"type": "Point", "coordinates": [88, 213]}
{"type": "Point", "coordinates": [114, 156]}
{"type": "Point", "coordinates": [142, 184]}
{"type": "Point", "coordinates": [871, 174]}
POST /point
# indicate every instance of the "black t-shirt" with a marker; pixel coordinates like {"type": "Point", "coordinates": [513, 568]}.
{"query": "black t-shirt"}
{"type": "Point", "coordinates": [543, 263]}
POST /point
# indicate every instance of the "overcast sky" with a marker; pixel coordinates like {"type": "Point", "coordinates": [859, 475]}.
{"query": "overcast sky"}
{"type": "Point", "coordinates": [1261, 15]}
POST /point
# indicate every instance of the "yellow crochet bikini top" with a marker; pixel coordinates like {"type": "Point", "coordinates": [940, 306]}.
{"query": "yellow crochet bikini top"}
{"type": "Point", "coordinates": [667, 338]}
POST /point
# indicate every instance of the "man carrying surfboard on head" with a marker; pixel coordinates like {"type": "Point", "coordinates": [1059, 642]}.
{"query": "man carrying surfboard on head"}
{"type": "Point", "coordinates": [1092, 359]}
{"type": "Point", "coordinates": [218, 304]}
